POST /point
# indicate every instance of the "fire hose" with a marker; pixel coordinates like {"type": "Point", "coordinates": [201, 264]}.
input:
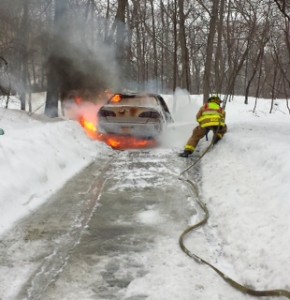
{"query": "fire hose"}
{"type": "Point", "coordinates": [242, 288]}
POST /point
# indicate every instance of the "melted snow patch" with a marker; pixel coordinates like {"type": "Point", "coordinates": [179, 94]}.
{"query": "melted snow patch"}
{"type": "Point", "coordinates": [149, 217]}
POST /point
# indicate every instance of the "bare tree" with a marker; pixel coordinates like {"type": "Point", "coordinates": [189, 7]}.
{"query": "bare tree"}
{"type": "Point", "coordinates": [120, 32]}
{"type": "Point", "coordinates": [185, 75]}
{"type": "Point", "coordinates": [261, 44]}
{"type": "Point", "coordinates": [175, 38]}
{"type": "Point", "coordinates": [53, 79]}
{"type": "Point", "coordinates": [219, 60]}
{"type": "Point", "coordinates": [209, 50]}
{"type": "Point", "coordinates": [284, 7]}
{"type": "Point", "coordinates": [209, 46]}
{"type": "Point", "coordinates": [154, 45]}
{"type": "Point", "coordinates": [24, 54]}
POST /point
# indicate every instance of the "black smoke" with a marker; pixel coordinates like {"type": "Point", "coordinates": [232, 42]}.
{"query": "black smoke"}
{"type": "Point", "coordinates": [79, 63]}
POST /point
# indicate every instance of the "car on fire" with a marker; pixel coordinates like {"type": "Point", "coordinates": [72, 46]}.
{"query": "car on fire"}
{"type": "Point", "coordinates": [142, 115]}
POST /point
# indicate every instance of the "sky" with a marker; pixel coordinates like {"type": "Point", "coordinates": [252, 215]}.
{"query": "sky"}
{"type": "Point", "coordinates": [245, 182]}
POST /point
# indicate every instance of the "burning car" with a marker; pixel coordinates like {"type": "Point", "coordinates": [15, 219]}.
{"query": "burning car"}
{"type": "Point", "coordinates": [134, 114]}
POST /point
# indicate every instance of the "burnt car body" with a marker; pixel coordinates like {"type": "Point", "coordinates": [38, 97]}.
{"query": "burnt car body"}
{"type": "Point", "coordinates": [142, 115]}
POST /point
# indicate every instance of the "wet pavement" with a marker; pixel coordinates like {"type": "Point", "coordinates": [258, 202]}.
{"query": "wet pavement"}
{"type": "Point", "coordinates": [94, 237]}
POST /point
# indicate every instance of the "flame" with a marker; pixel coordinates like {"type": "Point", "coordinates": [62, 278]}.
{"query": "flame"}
{"type": "Point", "coordinates": [116, 99]}
{"type": "Point", "coordinates": [115, 141]}
{"type": "Point", "coordinates": [90, 128]}
{"type": "Point", "coordinates": [127, 142]}
{"type": "Point", "coordinates": [87, 117]}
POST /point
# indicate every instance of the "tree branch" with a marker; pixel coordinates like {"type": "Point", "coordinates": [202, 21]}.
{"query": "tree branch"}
{"type": "Point", "coordinates": [282, 7]}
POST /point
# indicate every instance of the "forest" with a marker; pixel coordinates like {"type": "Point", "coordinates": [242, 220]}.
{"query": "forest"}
{"type": "Point", "coordinates": [227, 47]}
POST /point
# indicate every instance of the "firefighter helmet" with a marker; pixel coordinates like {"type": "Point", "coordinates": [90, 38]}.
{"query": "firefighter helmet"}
{"type": "Point", "coordinates": [215, 99]}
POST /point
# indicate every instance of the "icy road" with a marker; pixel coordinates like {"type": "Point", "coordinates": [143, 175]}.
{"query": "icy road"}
{"type": "Point", "coordinates": [112, 233]}
{"type": "Point", "coordinates": [105, 235]}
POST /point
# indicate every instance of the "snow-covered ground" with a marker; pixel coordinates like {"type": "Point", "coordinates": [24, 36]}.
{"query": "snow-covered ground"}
{"type": "Point", "coordinates": [245, 178]}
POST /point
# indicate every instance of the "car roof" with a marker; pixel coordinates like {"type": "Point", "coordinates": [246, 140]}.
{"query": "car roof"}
{"type": "Point", "coordinates": [142, 94]}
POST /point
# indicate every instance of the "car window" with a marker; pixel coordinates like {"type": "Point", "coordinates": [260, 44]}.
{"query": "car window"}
{"type": "Point", "coordinates": [136, 101]}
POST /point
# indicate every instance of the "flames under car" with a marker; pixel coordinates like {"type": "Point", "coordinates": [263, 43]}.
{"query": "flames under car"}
{"type": "Point", "coordinates": [138, 115]}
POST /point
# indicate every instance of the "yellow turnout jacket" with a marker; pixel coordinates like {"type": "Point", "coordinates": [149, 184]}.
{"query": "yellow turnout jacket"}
{"type": "Point", "coordinates": [211, 114]}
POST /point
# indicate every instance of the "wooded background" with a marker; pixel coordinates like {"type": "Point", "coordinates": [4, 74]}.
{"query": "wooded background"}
{"type": "Point", "coordinates": [229, 47]}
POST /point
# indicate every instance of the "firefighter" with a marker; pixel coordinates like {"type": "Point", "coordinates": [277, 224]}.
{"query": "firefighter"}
{"type": "Point", "coordinates": [211, 116]}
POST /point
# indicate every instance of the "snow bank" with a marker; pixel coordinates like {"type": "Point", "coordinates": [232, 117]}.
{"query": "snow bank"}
{"type": "Point", "coordinates": [37, 155]}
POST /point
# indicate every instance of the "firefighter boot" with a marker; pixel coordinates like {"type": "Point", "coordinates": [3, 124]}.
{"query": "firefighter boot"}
{"type": "Point", "coordinates": [185, 153]}
{"type": "Point", "coordinates": [217, 138]}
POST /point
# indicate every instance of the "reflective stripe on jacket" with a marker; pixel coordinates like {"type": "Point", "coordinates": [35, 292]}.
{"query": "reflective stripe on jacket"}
{"type": "Point", "coordinates": [211, 114]}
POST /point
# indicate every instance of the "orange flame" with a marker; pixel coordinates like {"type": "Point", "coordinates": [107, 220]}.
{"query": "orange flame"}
{"type": "Point", "coordinates": [127, 142]}
{"type": "Point", "coordinates": [90, 129]}
{"type": "Point", "coordinates": [89, 126]}
{"type": "Point", "coordinates": [116, 99]}
{"type": "Point", "coordinates": [115, 141]}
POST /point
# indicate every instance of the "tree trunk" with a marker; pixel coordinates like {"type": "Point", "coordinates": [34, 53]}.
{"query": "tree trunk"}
{"type": "Point", "coordinates": [155, 59]}
{"type": "Point", "coordinates": [175, 68]}
{"type": "Point", "coordinates": [163, 49]}
{"type": "Point", "coordinates": [185, 75]}
{"type": "Point", "coordinates": [24, 54]}
{"type": "Point", "coordinates": [219, 65]}
{"type": "Point", "coordinates": [119, 29]}
{"type": "Point", "coordinates": [258, 88]}
{"type": "Point", "coordinates": [285, 93]}
{"type": "Point", "coordinates": [209, 50]}
{"type": "Point", "coordinates": [273, 94]}
{"type": "Point", "coordinates": [53, 80]}
{"type": "Point", "coordinates": [259, 57]}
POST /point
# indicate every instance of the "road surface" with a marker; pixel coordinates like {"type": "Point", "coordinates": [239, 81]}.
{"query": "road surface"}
{"type": "Point", "coordinates": [104, 233]}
